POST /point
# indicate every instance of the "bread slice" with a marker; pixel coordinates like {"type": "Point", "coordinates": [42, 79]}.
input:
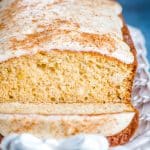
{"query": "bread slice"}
{"type": "Point", "coordinates": [66, 63]}
{"type": "Point", "coordinates": [117, 122]}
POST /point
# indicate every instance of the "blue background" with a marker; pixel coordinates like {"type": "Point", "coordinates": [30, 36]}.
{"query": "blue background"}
{"type": "Point", "coordinates": [137, 13]}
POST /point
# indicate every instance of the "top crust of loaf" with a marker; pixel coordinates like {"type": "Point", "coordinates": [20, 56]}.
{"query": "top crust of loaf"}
{"type": "Point", "coordinates": [78, 25]}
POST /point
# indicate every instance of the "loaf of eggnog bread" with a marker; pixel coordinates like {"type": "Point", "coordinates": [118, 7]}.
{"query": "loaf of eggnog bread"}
{"type": "Point", "coordinates": [66, 67]}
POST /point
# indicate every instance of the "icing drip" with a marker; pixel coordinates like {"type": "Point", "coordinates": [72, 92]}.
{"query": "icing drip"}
{"type": "Point", "coordinates": [29, 26]}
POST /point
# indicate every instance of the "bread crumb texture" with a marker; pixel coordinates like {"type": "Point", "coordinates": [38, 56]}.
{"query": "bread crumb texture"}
{"type": "Point", "coordinates": [65, 77]}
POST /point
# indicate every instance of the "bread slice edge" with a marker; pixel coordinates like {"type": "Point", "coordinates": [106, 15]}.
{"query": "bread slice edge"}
{"type": "Point", "coordinates": [60, 126]}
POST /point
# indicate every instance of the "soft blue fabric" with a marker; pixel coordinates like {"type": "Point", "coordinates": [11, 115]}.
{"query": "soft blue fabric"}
{"type": "Point", "coordinates": [137, 13]}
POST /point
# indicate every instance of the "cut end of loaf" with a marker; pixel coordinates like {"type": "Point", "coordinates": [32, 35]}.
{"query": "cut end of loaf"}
{"type": "Point", "coordinates": [65, 77]}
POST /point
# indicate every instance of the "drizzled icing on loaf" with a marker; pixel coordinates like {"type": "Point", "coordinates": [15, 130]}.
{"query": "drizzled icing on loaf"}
{"type": "Point", "coordinates": [79, 25]}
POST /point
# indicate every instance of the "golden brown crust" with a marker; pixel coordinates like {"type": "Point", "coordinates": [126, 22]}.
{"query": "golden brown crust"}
{"type": "Point", "coordinates": [128, 40]}
{"type": "Point", "coordinates": [124, 136]}
{"type": "Point", "coordinates": [1, 138]}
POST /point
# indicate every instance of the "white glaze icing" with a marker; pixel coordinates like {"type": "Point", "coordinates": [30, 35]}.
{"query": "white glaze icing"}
{"type": "Point", "coordinates": [78, 25]}
{"type": "Point", "coordinates": [118, 121]}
